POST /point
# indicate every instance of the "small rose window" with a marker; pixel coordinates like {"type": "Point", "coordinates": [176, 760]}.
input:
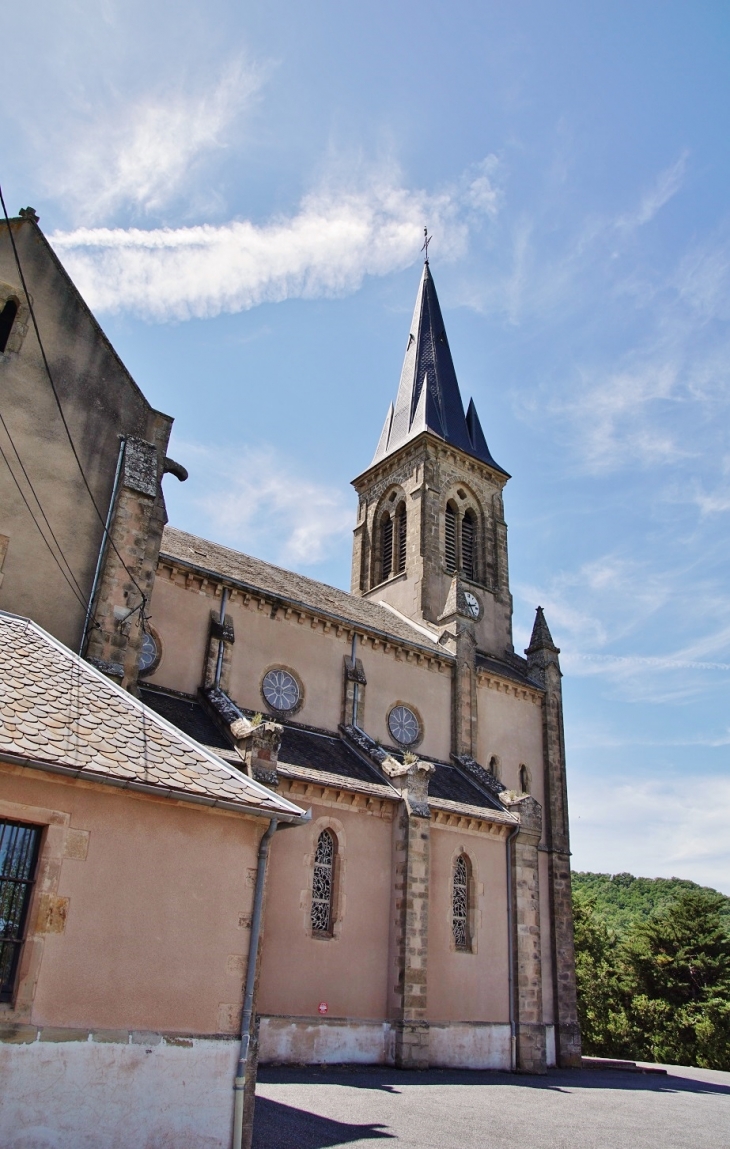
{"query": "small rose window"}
{"type": "Point", "coordinates": [281, 690]}
{"type": "Point", "coordinates": [403, 725]}
{"type": "Point", "coordinates": [148, 653]}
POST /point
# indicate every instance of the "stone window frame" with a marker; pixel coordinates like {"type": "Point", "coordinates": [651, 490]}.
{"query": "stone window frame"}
{"type": "Point", "coordinates": [47, 912]}
{"type": "Point", "coordinates": [462, 498]}
{"type": "Point", "coordinates": [473, 915]}
{"type": "Point", "coordinates": [495, 766]}
{"type": "Point", "coordinates": [283, 714]}
{"type": "Point", "coordinates": [389, 505]}
{"type": "Point", "coordinates": [19, 329]}
{"type": "Point", "coordinates": [337, 830]}
{"type": "Point", "coordinates": [399, 746]}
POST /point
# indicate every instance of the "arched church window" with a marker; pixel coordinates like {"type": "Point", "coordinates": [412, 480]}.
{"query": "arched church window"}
{"type": "Point", "coordinates": [494, 767]}
{"type": "Point", "coordinates": [7, 319]}
{"type": "Point", "coordinates": [524, 780]}
{"type": "Point", "coordinates": [400, 537]}
{"type": "Point", "coordinates": [386, 546]}
{"type": "Point", "coordinates": [323, 885]}
{"type": "Point", "coordinates": [450, 538]}
{"type": "Point", "coordinates": [460, 904]}
{"type": "Point", "coordinates": [468, 547]}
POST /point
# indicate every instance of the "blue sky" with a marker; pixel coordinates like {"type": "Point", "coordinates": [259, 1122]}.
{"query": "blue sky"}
{"type": "Point", "coordinates": [240, 191]}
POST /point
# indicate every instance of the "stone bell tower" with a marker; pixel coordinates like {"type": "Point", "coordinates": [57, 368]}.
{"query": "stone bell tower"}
{"type": "Point", "coordinates": [431, 540]}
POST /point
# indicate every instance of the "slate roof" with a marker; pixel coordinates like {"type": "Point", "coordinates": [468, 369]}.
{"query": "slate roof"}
{"type": "Point", "coordinates": [517, 670]}
{"type": "Point", "coordinates": [62, 714]}
{"type": "Point", "coordinates": [428, 395]}
{"type": "Point", "coordinates": [293, 588]}
{"type": "Point", "coordinates": [323, 757]}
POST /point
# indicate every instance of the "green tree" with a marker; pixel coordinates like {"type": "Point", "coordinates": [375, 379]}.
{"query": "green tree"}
{"type": "Point", "coordinates": [601, 1012]}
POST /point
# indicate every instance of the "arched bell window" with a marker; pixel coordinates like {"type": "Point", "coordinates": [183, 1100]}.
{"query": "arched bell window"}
{"type": "Point", "coordinates": [400, 539]}
{"type": "Point", "coordinates": [7, 319]}
{"type": "Point", "coordinates": [468, 544]}
{"type": "Point", "coordinates": [323, 885]}
{"type": "Point", "coordinates": [450, 521]}
{"type": "Point", "coordinates": [460, 904]}
{"type": "Point", "coordinates": [386, 547]}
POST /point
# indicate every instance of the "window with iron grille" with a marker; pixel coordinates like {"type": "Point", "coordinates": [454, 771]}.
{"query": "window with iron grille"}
{"type": "Point", "coordinates": [323, 884]}
{"type": "Point", "coordinates": [468, 538]}
{"type": "Point", "coordinates": [460, 904]}
{"type": "Point", "coordinates": [450, 538]}
{"type": "Point", "coordinates": [19, 846]}
{"type": "Point", "coordinates": [386, 541]}
{"type": "Point", "coordinates": [400, 534]}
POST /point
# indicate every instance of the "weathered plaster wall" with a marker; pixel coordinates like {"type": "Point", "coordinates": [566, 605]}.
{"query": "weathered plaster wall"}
{"type": "Point", "coordinates": [469, 987]}
{"type": "Point", "coordinates": [108, 1095]}
{"type": "Point", "coordinates": [510, 726]}
{"type": "Point", "coordinates": [470, 1046]}
{"type": "Point", "coordinates": [100, 402]}
{"type": "Point", "coordinates": [349, 970]}
{"type": "Point", "coordinates": [147, 928]}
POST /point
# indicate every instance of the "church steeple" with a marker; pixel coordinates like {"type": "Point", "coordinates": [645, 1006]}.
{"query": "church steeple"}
{"type": "Point", "coordinates": [428, 396]}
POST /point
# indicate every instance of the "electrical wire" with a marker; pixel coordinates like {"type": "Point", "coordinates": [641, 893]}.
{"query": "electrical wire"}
{"type": "Point", "coordinates": [63, 417]}
{"type": "Point", "coordinates": [79, 597]}
{"type": "Point", "coordinates": [40, 507]}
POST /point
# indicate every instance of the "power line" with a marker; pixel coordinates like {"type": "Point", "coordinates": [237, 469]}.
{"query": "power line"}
{"type": "Point", "coordinates": [13, 476]}
{"type": "Point", "coordinates": [63, 417]}
{"type": "Point", "coordinates": [40, 507]}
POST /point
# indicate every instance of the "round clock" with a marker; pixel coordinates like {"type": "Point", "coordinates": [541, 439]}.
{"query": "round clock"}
{"type": "Point", "coordinates": [472, 604]}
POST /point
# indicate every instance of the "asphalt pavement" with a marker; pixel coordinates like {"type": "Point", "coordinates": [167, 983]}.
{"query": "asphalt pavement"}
{"type": "Point", "coordinates": [313, 1108]}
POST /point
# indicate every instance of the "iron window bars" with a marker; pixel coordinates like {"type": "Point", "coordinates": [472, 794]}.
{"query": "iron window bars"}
{"type": "Point", "coordinates": [19, 846]}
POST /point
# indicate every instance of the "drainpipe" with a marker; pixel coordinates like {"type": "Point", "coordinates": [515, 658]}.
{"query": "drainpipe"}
{"type": "Point", "coordinates": [355, 685]}
{"type": "Point", "coordinates": [511, 955]}
{"type": "Point", "coordinates": [102, 548]}
{"type": "Point", "coordinates": [239, 1084]}
{"type": "Point", "coordinates": [219, 663]}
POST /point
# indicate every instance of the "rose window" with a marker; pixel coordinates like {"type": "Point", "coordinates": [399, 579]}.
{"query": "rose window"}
{"type": "Point", "coordinates": [403, 725]}
{"type": "Point", "coordinates": [281, 690]}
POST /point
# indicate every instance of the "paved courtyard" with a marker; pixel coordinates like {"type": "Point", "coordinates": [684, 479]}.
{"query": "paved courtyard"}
{"type": "Point", "coordinates": [567, 1109]}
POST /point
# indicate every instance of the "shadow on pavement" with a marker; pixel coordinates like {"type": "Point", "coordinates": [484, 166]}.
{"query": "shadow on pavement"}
{"type": "Point", "coordinates": [278, 1126]}
{"type": "Point", "coordinates": [562, 1080]}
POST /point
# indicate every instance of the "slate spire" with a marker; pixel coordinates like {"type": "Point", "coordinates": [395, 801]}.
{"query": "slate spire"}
{"type": "Point", "coordinates": [428, 396]}
{"type": "Point", "coordinates": [541, 637]}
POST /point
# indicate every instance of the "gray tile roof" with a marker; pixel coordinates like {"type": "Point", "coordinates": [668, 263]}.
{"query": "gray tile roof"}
{"type": "Point", "coordinates": [294, 588]}
{"type": "Point", "coordinates": [57, 711]}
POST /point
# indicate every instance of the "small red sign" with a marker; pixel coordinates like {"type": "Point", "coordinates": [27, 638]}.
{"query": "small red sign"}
{"type": "Point", "coordinates": [323, 1007]}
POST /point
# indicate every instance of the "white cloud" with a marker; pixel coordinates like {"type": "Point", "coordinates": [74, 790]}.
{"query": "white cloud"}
{"type": "Point", "coordinates": [141, 154]}
{"type": "Point", "coordinates": [257, 502]}
{"type": "Point", "coordinates": [334, 240]}
{"type": "Point", "coordinates": [666, 186]}
{"type": "Point", "coordinates": [658, 827]}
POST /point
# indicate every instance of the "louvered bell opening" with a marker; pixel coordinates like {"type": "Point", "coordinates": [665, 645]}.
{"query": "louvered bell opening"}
{"type": "Point", "coordinates": [468, 534]}
{"type": "Point", "coordinates": [450, 539]}
{"type": "Point", "coordinates": [401, 536]}
{"type": "Point", "coordinates": [387, 547]}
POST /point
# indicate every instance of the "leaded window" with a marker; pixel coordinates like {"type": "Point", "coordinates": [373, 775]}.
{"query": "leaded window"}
{"type": "Point", "coordinates": [450, 538]}
{"type": "Point", "coordinates": [323, 884]}
{"type": "Point", "coordinates": [281, 690]}
{"type": "Point", "coordinates": [18, 860]}
{"type": "Point", "coordinates": [403, 725]}
{"type": "Point", "coordinates": [460, 904]}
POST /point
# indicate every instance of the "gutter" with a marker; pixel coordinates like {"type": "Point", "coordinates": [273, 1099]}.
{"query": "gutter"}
{"type": "Point", "coordinates": [104, 544]}
{"type": "Point", "coordinates": [511, 954]}
{"type": "Point", "coordinates": [82, 772]}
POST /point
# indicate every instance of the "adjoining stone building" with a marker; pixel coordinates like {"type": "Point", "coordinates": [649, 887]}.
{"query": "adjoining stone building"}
{"type": "Point", "coordinates": [423, 916]}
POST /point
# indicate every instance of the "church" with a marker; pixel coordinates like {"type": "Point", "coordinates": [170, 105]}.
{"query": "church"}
{"type": "Point", "coordinates": [421, 916]}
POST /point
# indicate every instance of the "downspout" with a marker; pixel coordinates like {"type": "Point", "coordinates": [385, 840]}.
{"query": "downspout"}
{"type": "Point", "coordinates": [511, 955]}
{"type": "Point", "coordinates": [104, 542]}
{"type": "Point", "coordinates": [355, 685]}
{"type": "Point", "coordinates": [239, 1084]}
{"type": "Point", "coordinates": [219, 663]}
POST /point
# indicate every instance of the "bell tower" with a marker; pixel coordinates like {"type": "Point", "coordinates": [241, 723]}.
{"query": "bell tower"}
{"type": "Point", "coordinates": [431, 540]}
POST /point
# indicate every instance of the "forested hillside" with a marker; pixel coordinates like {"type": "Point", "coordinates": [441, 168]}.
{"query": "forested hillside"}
{"type": "Point", "coordinates": [621, 899]}
{"type": "Point", "coordinates": [653, 969]}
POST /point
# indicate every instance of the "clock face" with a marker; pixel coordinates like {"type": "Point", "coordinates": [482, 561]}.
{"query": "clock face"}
{"type": "Point", "coordinates": [472, 604]}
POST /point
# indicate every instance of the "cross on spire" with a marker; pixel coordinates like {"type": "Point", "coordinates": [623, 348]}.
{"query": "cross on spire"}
{"type": "Point", "coordinates": [426, 240]}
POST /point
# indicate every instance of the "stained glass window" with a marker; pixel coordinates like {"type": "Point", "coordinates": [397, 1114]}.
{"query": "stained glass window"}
{"type": "Point", "coordinates": [403, 725]}
{"type": "Point", "coordinates": [323, 884]}
{"type": "Point", "coordinates": [18, 857]}
{"type": "Point", "coordinates": [148, 652]}
{"type": "Point", "coordinates": [280, 689]}
{"type": "Point", "coordinates": [460, 904]}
